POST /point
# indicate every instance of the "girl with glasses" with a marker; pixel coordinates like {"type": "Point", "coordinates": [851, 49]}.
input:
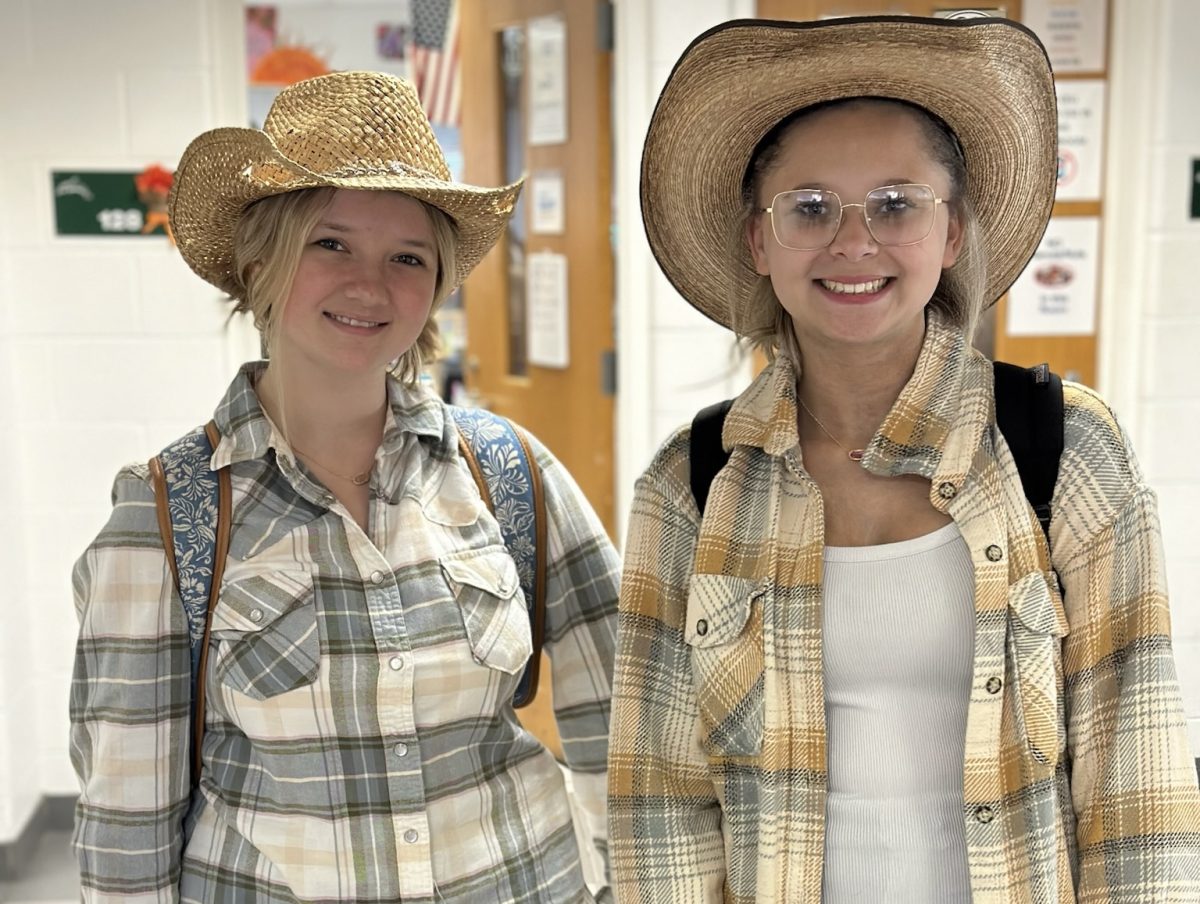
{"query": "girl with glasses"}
{"type": "Point", "coordinates": [851, 666]}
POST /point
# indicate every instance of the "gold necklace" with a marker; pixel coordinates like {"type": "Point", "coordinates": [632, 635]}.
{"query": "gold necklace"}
{"type": "Point", "coordinates": [359, 480]}
{"type": "Point", "coordinates": [853, 454]}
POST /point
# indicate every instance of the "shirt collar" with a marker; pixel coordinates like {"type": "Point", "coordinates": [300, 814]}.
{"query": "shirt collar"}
{"type": "Point", "coordinates": [247, 432]}
{"type": "Point", "coordinates": [932, 429]}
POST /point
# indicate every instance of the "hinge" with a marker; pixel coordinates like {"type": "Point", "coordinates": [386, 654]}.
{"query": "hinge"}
{"type": "Point", "coordinates": [604, 26]}
{"type": "Point", "coordinates": [608, 372]}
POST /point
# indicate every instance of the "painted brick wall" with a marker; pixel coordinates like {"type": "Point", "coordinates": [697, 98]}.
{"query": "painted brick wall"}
{"type": "Point", "coordinates": [109, 347]}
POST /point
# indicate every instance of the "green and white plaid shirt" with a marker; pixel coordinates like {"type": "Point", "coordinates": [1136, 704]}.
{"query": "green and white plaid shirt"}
{"type": "Point", "coordinates": [360, 742]}
{"type": "Point", "coordinates": [1077, 779]}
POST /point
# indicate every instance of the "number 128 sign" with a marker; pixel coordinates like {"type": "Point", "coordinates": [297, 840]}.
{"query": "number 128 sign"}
{"type": "Point", "coordinates": [130, 203]}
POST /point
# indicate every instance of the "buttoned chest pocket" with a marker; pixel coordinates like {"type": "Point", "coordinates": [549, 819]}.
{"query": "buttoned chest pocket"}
{"type": "Point", "coordinates": [1033, 650]}
{"type": "Point", "coordinates": [488, 591]}
{"type": "Point", "coordinates": [725, 632]}
{"type": "Point", "coordinates": [265, 626]}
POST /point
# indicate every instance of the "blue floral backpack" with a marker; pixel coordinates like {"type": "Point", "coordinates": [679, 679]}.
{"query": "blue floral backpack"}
{"type": "Point", "coordinates": [194, 512]}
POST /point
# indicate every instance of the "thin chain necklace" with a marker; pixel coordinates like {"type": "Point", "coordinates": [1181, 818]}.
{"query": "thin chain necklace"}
{"type": "Point", "coordinates": [359, 480]}
{"type": "Point", "coordinates": [853, 454]}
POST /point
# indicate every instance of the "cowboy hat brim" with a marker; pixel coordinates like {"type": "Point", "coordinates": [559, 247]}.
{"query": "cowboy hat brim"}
{"type": "Point", "coordinates": [224, 171]}
{"type": "Point", "coordinates": [988, 79]}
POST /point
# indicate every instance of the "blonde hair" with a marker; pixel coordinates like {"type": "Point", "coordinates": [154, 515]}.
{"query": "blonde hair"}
{"type": "Point", "coordinates": [268, 241]}
{"type": "Point", "coordinates": [762, 321]}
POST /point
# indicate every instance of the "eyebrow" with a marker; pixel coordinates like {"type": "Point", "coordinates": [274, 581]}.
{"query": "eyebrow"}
{"type": "Point", "coordinates": [897, 180]}
{"type": "Point", "coordinates": [340, 227]}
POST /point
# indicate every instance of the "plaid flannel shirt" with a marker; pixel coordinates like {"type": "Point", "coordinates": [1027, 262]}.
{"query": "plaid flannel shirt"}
{"type": "Point", "coordinates": [1078, 781]}
{"type": "Point", "coordinates": [359, 744]}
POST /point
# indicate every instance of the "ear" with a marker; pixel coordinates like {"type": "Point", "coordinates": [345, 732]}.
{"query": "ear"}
{"type": "Point", "coordinates": [955, 236]}
{"type": "Point", "coordinates": [756, 239]}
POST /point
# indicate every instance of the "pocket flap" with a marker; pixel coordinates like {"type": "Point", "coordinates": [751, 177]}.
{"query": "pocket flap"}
{"type": "Point", "coordinates": [249, 604]}
{"type": "Point", "coordinates": [490, 569]}
{"type": "Point", "coordinates": [1036, 607]}
{"type": "Point", "coordinates": [718, 607]}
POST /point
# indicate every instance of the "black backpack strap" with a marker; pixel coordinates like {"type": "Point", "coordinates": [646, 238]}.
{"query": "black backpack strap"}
{"type": "Point", "coordinates": [706, 455]}
{"type": "Point", "coordinates": [1029, 412]}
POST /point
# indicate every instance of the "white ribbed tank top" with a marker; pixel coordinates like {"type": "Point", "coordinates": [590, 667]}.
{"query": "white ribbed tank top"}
{"type": "Point", "coordinates": [899, 627]}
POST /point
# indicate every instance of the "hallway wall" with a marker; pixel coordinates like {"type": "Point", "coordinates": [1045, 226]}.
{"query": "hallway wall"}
{"type": "Point", "coordinates": [110, 347]}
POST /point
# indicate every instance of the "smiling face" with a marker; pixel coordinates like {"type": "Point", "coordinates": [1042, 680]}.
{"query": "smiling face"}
{"type": "Point", "coordinates": [855, 291]}
{"type": "Point", "coordinates": [364, 285]}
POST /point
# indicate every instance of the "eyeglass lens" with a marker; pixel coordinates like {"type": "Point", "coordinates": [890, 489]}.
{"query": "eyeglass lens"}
{"type": "Point", "coordinates": [808, 218]}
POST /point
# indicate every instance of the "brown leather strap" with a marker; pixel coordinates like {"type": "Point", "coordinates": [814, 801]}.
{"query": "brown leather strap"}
{"type": "Point", "coordinates": [164, 515]}
{"type": "Point", "coordinates": [464, 449]}
{"type": "Point", "coordinates": [220, 554]}
{"type": "Point", "coordinates": [539, 572]}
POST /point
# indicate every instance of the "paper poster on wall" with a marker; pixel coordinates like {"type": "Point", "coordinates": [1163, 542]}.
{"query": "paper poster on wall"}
{"type": "Point", "coordinates": [546, 193]}
{"type": "Point", "coordinates": [547, 45]}
{"type": "Point", "coordinates": [1056, 294]}
{"type": "Point", "coordinates": [1080, 139]}
{"type": "Point", "coordinates": [1072, 30]}
{"type": "Point", "coordinates": [546, 309]}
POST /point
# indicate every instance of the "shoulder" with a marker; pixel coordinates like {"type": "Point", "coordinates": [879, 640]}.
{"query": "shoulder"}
{"type": "Point", "coordinates": [1098, 474]}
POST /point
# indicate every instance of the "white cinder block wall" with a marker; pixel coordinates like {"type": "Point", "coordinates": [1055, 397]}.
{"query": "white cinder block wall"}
{"type": "Point", "coordinates": [110, 347]}
{"type": "Point", "coordinates": [1151, 311]}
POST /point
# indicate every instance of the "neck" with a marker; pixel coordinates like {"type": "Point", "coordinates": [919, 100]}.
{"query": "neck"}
{"type": "Point", "coordinates": [852, 390]}
{"type": "Point", "coordinates": [338, 422]}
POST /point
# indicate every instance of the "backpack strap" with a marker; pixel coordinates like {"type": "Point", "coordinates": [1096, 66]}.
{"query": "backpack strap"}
{"type": "Point", "coordinates": [706, 455]}
{"type": "Point", "coordinates": [1029, 412]}
{"type": "Point", "coordinates": [510, 482]}
{"type": "Point", "coordinates": [193, 504]}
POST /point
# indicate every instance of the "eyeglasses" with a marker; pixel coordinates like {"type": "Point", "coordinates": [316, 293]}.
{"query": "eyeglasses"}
{"type": "Point", "coordinates": [808, 219]}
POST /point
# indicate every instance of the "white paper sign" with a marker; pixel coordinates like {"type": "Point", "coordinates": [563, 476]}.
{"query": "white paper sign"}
{"type": "Point", "coordinates": [1056, 293]}
{"type": "Point", "coordinates": [546, 194]}
{"type": "Point", "coordinates": [546, 309]}
{"type": "Point", "coordinates": [1072, 30]}
{"type": "Point", "coordinates": [547, 43]}
{"type": "Point", "coordinates": [1080, 139]}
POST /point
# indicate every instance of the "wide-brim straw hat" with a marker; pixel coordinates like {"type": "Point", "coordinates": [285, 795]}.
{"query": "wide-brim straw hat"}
{"type": "Point", "coordinates": [357, 130]}
{"type": "Point", "coordinates": [989, 79]}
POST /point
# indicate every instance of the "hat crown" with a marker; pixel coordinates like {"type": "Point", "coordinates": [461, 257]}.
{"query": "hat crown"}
{"type": "Point", "coordinates": [355, 124]}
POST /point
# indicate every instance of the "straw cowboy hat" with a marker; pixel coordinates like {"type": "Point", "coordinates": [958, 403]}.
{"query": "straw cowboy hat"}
{"type": "Point", "coordinates": [363, 130]}
{"type": "Point", "coordinates": [989, 79]}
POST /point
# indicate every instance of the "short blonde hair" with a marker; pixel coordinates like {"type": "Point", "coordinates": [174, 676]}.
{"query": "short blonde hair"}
{"type": "Point", "coordinates": [762, 320]}
{"type": "Point", "coordinates": [268, 241]}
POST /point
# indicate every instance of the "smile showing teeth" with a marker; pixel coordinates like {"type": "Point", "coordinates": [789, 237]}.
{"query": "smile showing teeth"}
{"type": "Point", "coordinates": [350, 321]}
{"type": "Point", "coordinates": [862, 288]}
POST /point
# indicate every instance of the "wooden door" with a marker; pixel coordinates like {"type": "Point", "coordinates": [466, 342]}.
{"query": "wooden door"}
{"type": "Point", "coordinates": [569, 408]}
{"type": "Point", "coordinates": [1072, 356]}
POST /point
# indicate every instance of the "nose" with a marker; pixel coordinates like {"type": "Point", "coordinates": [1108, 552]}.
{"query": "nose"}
{"type": "Point", "coordinates": [366, 284]}
{"type": "Point", "coordinates": [853, 240]}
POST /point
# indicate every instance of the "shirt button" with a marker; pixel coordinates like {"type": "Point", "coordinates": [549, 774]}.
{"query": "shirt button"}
{"type": "Point", "coordinates": [994, 553]}
{"type": "Point", "coordinates": [396, 663]}
{"type": "Point", "coordinates": [947, 490]}
{"type": "Point", "coordinates": [701, 627]}
{"type": "Point", "coordinates": [411, 836]}
{"type": "Point", "coordinates": [376, 577]}
{"type": "Point", "coordinates": [993, 685]}
{"type": "Point", "coordinates": [401, 749]}
{"type": "Point", "coordinates": [327, 500]}
{"type": "Point", "coordinates": [256, 615]}
{"type": "Point", "coordinates": [984, 815]}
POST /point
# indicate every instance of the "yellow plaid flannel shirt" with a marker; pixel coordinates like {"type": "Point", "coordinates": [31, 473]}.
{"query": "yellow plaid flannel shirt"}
{"type": "Point", "coordinates": [1078, 781]}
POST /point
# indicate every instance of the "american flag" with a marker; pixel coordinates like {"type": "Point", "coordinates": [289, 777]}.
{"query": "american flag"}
{"type": "Point", "coordinates": [435, 59]}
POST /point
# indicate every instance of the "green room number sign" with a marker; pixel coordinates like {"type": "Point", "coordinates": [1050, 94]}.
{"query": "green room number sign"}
{"type": "Point", "coordinates": [107, 204]}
